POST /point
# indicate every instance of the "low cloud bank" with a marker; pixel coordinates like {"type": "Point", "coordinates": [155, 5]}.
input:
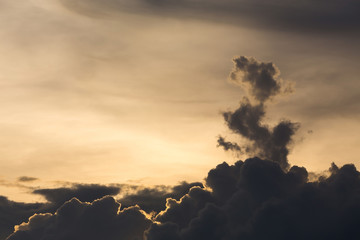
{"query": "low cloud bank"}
{"type": "Point", "coordinates": [252, 199]}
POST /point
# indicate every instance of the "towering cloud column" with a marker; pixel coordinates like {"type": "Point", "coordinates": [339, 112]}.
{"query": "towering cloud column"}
{"type": "Point", "coordinates": [261, 81]}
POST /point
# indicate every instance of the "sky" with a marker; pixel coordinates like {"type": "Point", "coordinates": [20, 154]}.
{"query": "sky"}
{"type": "Point", "coordinates": [131, 97]}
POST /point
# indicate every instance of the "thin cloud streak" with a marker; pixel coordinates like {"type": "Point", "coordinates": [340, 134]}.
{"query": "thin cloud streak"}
{"type": "Point", "coordinates": [309, 16]}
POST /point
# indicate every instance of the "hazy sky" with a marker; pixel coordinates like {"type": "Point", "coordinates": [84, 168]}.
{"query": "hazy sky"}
{"type": "Point", "coordinates": [121, 92]}
{"type": "Point", "coordinates": [112, 110]}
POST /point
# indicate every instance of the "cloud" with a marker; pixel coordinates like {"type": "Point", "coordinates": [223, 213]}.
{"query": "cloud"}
{"type": "Point", "coordinates": [256, 199]}
{"type": "Point", "coordinates": [259, 77]}
{"type": "Point", "coordinates": [153, 199]}
{"type": "Point", "coordinates": [83, 192]}
{"type": "Point", "coordinates": [149, 199]}
{"type": "Point", "coordinates": [261, 80]}
{"type": "Point", "coordinates": [252, 199]}
{"type": "Point", "coordinates": [101, 219]}
{"type": "Point", "coordinates": [27, 179]}
{"type": "Point", "coordinates": [313, 16]}
{"type": "Point", "coordinates": [228, 145]}
{"type": "Point", "coordinates": [13, 213]}
{"type": "Point", "coordinates": [265, 142]}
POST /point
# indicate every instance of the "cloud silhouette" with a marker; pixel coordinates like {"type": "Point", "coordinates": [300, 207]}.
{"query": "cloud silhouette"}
{"type": "Point", "coordinates": [83, 192]}
{"type": "Point", "coordinates": [257, 199]}
{"type": "Point", "coordinates": [153, 199]}
{"type": "Point", "coordinates": [149, 199]}
{"type": "Point", "coordinates": [261, 80]}
{"type": "Point", "coordinates": [13, 213]}
{"type": "Point", "coordinates": [252, 199]}
{"type": "Point", "coordinates": [101, 219]}
{"type": "Point", "coordinates": [259, 77]}
{"type": "Point", "coordinates": [228, 145]}
{"type": "Point", "coordinates": [266, 142]}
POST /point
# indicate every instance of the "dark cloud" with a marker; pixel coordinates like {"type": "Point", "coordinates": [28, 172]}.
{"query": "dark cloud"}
{"type": "Point", "coordinates": [101, 219]}
{"type": "Point", "coordinates": [149, 199]}
{"type": "Point", "coordinates": [261, 79]}
{"type": "Point", "coordinates": [13, 213]}
{"type": "Point", "coordinates": [228, 145]}
{"type": "Point", "coordinates": [256, 199]}
{"type": "Point", "coordinates": [26, 179]}
{"type": "Point", "coordinates": [252, 199]}
{"type": "Point", "coordinates": [154, 199]}
{"type": "Point", "coordinates": [83, 192]}
{"type": "Point", "coordinates": [269, 143]}
{"type": "Point", "coordinates": [307, 15]}
{"type": "Point", "coordinates": [182, 211]}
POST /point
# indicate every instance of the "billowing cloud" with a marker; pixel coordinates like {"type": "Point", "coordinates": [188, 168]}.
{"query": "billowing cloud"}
{"type": "Point", "coordinates": [13, 213]}
{"type": "Point", "coordinates": [266, 142]}
{"type": "Point", "coordinates": [259, 77]}
{"type": "Point", "coordinates": [150, 199]}
{"type": "Point", "coordinates": [153, 199]}
{"type": "Point", "coordinates": [252, 199]}
{"type": "Point", "coordinates": [334, 15]}
{"type": "Point", "coordinates": [101, 219]}
{"type": "Point", "coordinates": [261, 80]}
{"type": "Point", "coordinates": [256, 199]}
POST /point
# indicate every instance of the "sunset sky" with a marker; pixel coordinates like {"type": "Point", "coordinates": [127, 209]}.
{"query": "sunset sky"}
{"type": "Point", "coordinates": [132, 92]}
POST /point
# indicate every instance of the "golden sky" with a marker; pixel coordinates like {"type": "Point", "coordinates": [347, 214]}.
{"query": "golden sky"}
{"type": "Point", "coordinates": [128, 94]}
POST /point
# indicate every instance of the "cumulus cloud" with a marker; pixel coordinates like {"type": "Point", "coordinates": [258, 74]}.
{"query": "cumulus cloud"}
{"type": "Point", "coordinates": [261, 80]}
{"type": "Point", "coordinates": [13, 213]}
{"type": "Point", "coordinates": [101, 219]}
{"type": "Point", "coordinates": [252, 199]}
{"type": "Point", "coordinates": [256, 199]}
{"type": "Point", "coordinates": [331, 15]}
{"type": "Point", "coordinates": [153, 199]}
{"type": "Point", "coordinates": [150, 199]}
{"type": "Point", "coordinates": [266, 142]}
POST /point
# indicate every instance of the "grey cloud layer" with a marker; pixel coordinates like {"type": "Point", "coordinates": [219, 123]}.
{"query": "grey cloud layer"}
{"type": "Point", "coordinates": [333, 15]}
